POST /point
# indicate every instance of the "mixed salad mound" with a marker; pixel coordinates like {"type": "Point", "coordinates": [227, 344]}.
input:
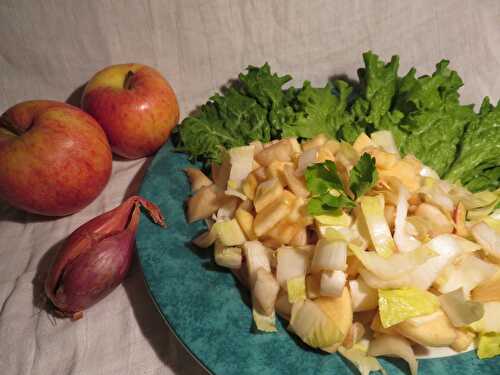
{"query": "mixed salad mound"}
{"type": "Point", "coordinates": [363, 251]}
{"type": "Point", "coordinates": [367, 215]}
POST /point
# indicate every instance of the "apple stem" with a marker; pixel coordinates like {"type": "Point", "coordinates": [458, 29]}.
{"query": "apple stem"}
{"type": "Point", "coordinates": [127, 82]}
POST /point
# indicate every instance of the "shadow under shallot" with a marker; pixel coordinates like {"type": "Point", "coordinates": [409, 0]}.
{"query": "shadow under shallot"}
{"type": "Point", "coordinates": [155, 329]}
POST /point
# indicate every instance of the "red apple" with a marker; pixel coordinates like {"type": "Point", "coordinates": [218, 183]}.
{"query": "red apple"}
{"type": "Point", "coordinates": [135, 106]}
{"type": "Point", "coordinates": [54, 158]}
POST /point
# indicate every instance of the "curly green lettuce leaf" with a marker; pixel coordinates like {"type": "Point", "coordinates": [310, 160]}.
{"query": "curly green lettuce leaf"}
{"type": "Point", "coordinates": [424, 113]}
{"type": "Point", "coordinates": [318, 111]}
{"type": "Point", "coordinates": [433, 117]}
{"type": "Point", "coordinates": [267, 89]}
{"type": "Point", "coordinates": [253, 109]}
{"type": "Point", "coordinates": [379, 83]}
{"type": "Point", "coordinates": [477, 165]}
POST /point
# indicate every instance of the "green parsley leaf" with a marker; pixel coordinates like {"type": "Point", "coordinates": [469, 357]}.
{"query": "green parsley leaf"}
{"type": "Point", "coordinates": [322, 177]}
{"type": "Point", "coordinates": [363, 176]}
{"type": "Point", "coordinates": [328, 204]}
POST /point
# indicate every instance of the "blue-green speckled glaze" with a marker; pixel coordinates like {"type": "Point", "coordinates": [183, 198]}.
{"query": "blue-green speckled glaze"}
{"type": "Point", "coordinates": [210, 314]}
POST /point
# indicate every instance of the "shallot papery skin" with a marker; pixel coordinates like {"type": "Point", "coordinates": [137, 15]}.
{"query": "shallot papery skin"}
{"type": "Point", "coordinates": [96, 257]}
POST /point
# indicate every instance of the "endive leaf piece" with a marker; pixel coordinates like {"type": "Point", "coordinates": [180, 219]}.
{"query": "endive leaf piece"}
{"type": "Point", "coordinates": [291, 263]}
{"type": "Point", "coordinates": [489, 322]}
{"type": "Point", "coordinates": [394, 346]}
{"type": "Point", "coordinates": [489, 345]}
{"type": "Point", "coordinates": [468, 273]}
{"type": "Point", "coordinates": [460, 311]}
{"type": "Point", "coordinates": [398, 305]}
{"type": "Point", "coordinates": [264, 323]}
{"type": "Point", "coordinates": [404, 241]}
{"type": "Point", "coordinates": [358, 356]}
{"type": "Point", "coordinates": [296, 289]}
{"type": "Point", "coordinates": [396, 265]}
{"type": "Point", "coordinates": [380, 234]}
{"type": "Point", "coordinates": [313, 326]}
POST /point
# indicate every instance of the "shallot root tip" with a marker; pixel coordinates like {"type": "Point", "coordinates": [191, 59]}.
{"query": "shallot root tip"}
{"type": "Point", "coordinates": [153, 211]}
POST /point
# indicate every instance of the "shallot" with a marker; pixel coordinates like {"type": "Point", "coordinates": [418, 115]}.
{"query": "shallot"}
{"type": "Point", "coordinates": [96, 257]}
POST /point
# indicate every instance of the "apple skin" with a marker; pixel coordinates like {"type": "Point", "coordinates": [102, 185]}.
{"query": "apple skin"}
{"type": "Point", "coordinates": [135, 106]}
{"type": "Point", "coordinates": [54, 158]}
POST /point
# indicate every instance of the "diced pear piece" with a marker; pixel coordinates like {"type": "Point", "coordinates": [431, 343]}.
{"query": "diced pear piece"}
{"type": "Point", "coordinates": [197, 178]}
{"type": "Point", "coordinates": [487, 291]}
{"type": "Point", "coordinates": [249, 186]}
{"type": "Point", "coordinates": [406, 171]}
{"type": "Point", "coordinates": [229, 232]}
{"type": "Point", "coordinates": [376, 326]}
{"type": "Point", "coordinates": [245, 219]}
{"type": "Point", "coordinates": [324, 154]}
{"type": "Point", "coordinates": [204, 203]}
{"type": "Point", "coordinates": [313, 325]}
{"type": "Point", "coordinates": [463, 341]}
{"type": "Point", "coordinates": [339, 310]}
{"type": "Point", "coordinates": [260, 174]}
{"type": "Point", "coordinates": [281, 151]}
{"type": "Point", "coordinates": [317, 141]}
{"type": "Point", "coordinates": [300, 238]}
{"type": "Point", "coordinates": [383, 160]}
{"type": "Point", "coordinates": [256, 256]}
{"type": "Point", "coordinates": [385, 140]}
{"type": "Point", "coordinates": [276, 170]}
{"type": "Point", "coordinates": [270, 216]}
{"type": "Point", "coordinates": [229, 257]}
{"type": "Point", "coordinates": [296, 184]}
{"type": "Point", "coordinates": [433, 330]}
{"type": "Point", "coordinates": [284, 231]}
{"type": "Point", "coordinates": [206, 239]}
{"type": "Point", "coordinates": [440, 224]}
{"type": "Point", "coordinates": [266, 193]}
{"type": "Point", "coordinates": [362, 142]}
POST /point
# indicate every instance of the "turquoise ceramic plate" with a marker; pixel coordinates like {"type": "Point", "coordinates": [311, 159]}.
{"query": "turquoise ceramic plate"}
{"type": "Point", "coordinates": [210, 313]}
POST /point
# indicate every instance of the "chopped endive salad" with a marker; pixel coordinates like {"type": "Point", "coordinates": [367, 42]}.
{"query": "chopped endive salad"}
{"type": "Point", "coordinates": [364, 252]}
